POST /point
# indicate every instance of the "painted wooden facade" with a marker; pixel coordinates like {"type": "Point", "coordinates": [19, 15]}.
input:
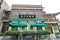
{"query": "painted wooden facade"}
{"type": "Point", "coordinates": [50, 18]}
{"type": "Point", "coordinates": [27, 13]}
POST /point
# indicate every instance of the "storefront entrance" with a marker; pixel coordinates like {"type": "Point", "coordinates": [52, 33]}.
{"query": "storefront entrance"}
{"type": "Point", "coordinates": [39, 28]}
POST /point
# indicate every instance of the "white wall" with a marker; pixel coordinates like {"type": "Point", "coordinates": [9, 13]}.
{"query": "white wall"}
{"type": "Point", "coordinates": [5, 6]}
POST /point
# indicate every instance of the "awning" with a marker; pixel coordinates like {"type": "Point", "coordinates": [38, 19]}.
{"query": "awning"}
{"type": "Point", "coordinates": [17, 25]}
{"type": "Point", "coordinates": [40, 25]}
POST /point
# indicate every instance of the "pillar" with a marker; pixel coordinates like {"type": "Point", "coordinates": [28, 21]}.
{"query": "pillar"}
{"type": "Point", "coordinates": [9, 28]}
{"type": "Point", "coordinates": [56, 29]}
{"type": "Point", "coordinates": [20, 29]}
{"type": "Point", "coordinates": [35, 29]}
{"type": "Point", "coordinates": [43, 28]}
{"type": "Point", "coordinates": [53, 29]}
{"type": "Point", "coordinates": [28, 26]}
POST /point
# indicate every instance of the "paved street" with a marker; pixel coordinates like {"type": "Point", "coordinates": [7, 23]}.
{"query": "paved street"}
{"type": "Point", "coordinates": [1, 38]}
{"type": "Point", "coordinates": [52, 37]}
{"type": "Point", "coordinates": [40, 39]}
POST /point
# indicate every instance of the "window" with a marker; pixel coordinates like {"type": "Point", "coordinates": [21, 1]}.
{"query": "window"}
{"type": "Point", "coordinates": [49, 16]}
{"type": "Point", "coordinates": [46, 19]}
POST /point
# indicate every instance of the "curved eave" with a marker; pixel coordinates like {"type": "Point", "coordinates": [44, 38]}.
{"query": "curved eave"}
{"type": "Point", "coordinates": [18, 8]}
{"type": "Point", "coordinates": [5, 20]}
{"type": "Point", "coordinates": [51, 22]}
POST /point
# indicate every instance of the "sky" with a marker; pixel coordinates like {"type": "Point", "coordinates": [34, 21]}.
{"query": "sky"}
{"type": "Point", "coordinates": [50, 6]}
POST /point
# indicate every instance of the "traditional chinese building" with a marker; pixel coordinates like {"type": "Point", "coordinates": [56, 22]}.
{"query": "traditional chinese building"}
{"type": "Point", "coordinates": [5, 16]}
{"type": "Point", "coordinates": [27, 14]}
{"type": "Point", "coordinates": [50, 18]}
